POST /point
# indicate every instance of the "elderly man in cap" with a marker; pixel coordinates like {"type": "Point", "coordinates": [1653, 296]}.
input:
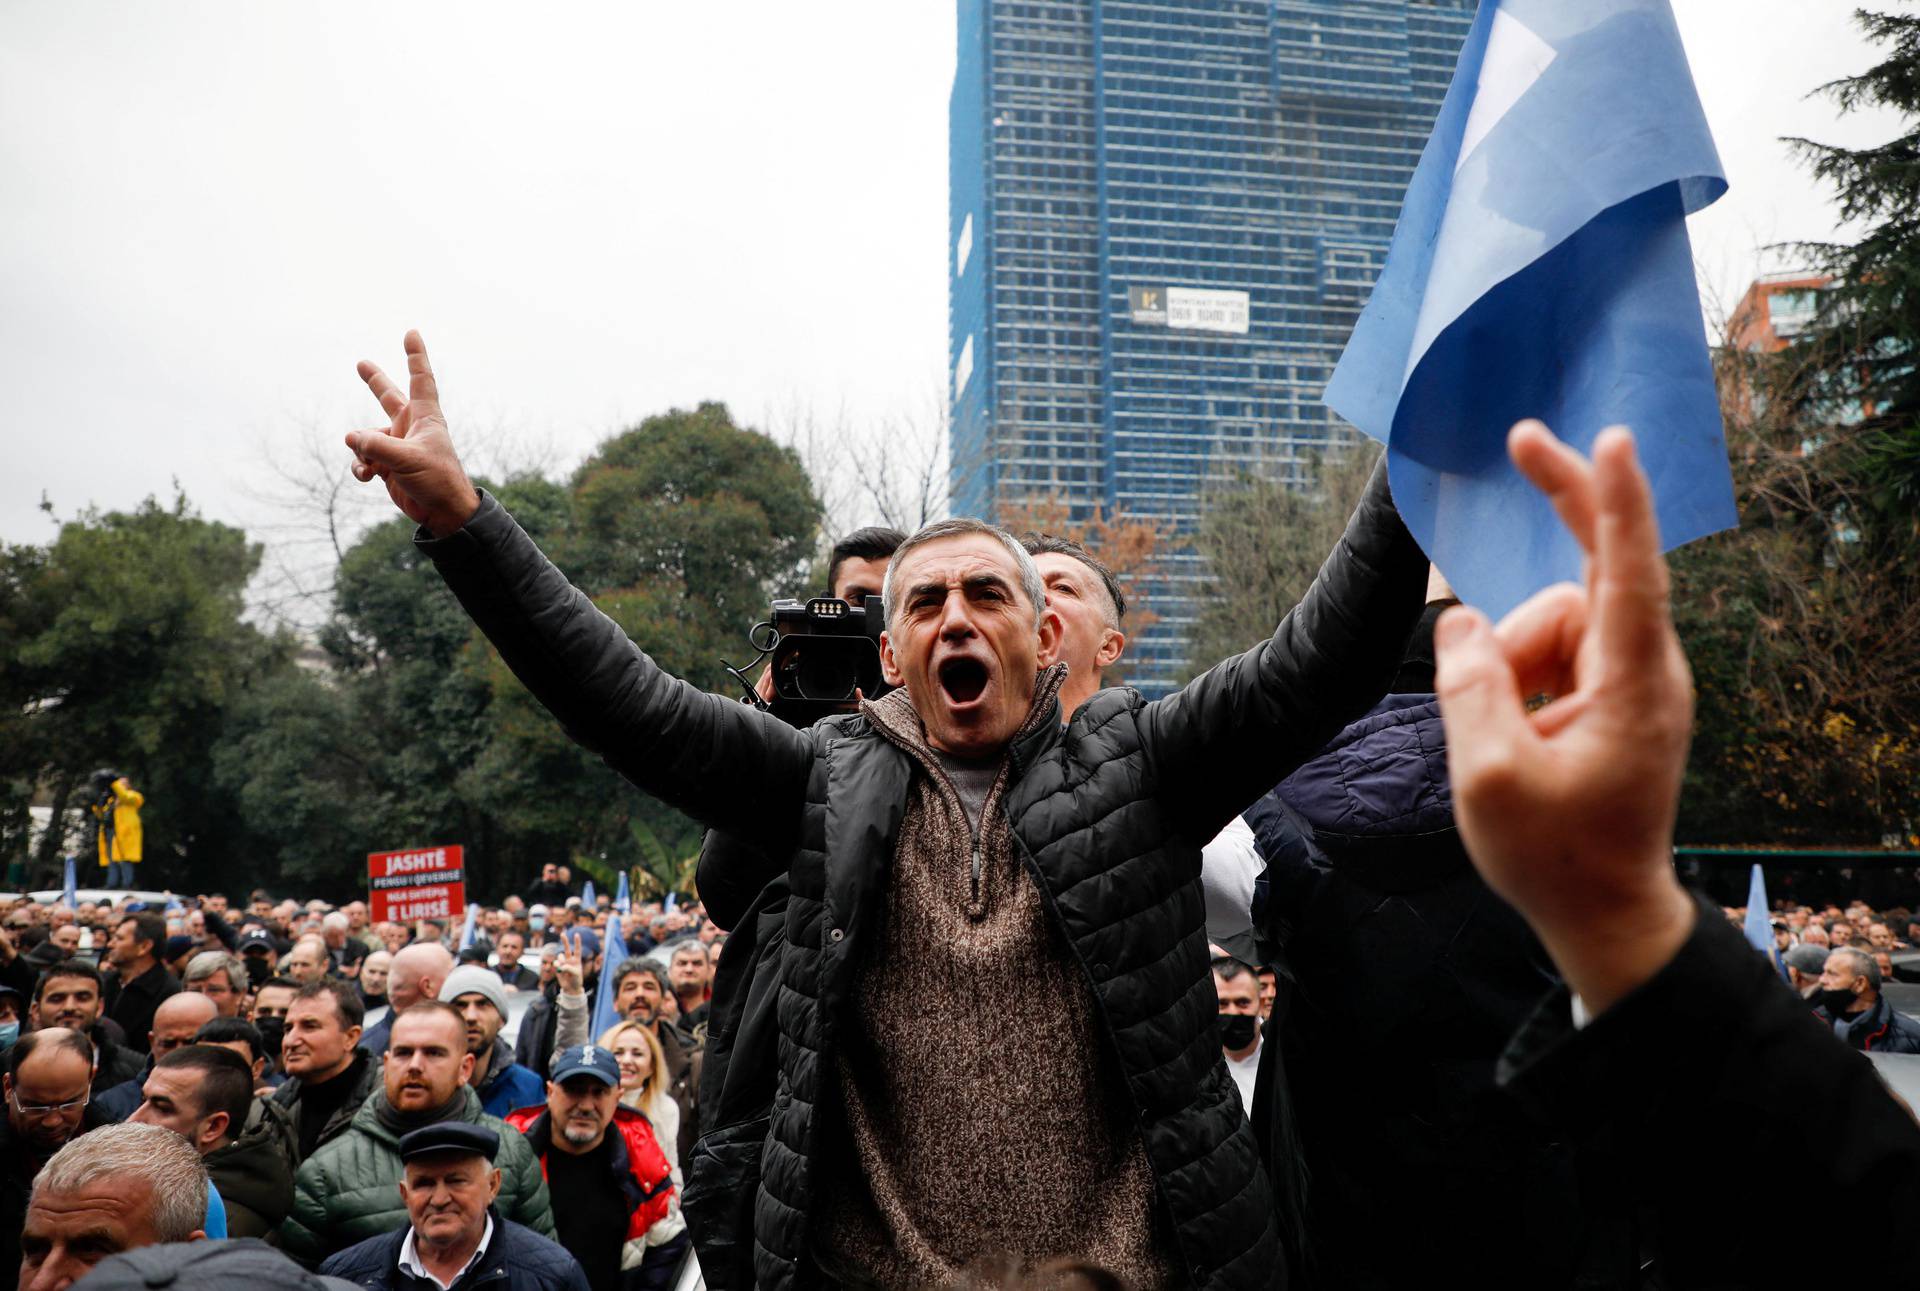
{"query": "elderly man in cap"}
{"type": "Point", "coordinates": [503, 1084]}
{"type": "Point", "coordinates": [341, 1193]}
{"type": "Point", "coordinates": [454, 1238]}
{"type": "Point", "coordinates": [610, 1181]}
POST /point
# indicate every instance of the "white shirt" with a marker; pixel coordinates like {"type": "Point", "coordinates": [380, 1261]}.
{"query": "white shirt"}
{"type": "Point", "coordinates": [410, 1257]}
{"type": "Point", "coordinates": [1243, 1071]}
{"type": "Point", "coordinates": [1229, 867]}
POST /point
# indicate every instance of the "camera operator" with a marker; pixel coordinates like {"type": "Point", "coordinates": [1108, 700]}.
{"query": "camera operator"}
{"type": "Point", "coordinates": [856, 570]}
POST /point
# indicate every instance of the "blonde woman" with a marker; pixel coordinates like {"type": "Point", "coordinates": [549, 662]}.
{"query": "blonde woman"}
{"type": "Point", "coordinates": [643, 1084]}
{"type": "Point", "coordinates": [643, 1088]}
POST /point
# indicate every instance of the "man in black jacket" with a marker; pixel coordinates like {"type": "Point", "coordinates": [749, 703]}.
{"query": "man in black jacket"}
{"type": "Point", "coordinates": [1851, 1003]}
{"type": "Point", "coordinates": [547, 890]}
{"type": "Point", "coordinates": [140, 980]}
{"type": "Point", "coordinates": [69, 995]}
{"type": "Point", "coordinates": [954, 848]}
{"type": "Point", "coordinates": [47, 1106]}
{"type": "Point", "coordinates": [204, 1093]}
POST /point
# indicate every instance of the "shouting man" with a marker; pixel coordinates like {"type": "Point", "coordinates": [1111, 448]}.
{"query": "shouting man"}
{"type": "Point", "coordinates": [953, 852]}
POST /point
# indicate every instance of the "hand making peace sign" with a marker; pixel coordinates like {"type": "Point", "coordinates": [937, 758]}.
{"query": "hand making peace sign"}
{"type": "Point", "coordinates": [414, 453]}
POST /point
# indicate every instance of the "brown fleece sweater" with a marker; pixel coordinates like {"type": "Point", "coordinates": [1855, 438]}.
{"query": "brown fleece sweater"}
{"type": "Point", "coordinates": [982, 1117]}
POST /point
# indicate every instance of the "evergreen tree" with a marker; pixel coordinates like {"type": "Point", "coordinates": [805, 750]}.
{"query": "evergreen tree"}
{"type": "Point", "coordinates": [1865, 347]}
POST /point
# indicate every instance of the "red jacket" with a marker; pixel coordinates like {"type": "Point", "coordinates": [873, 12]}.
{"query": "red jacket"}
{"type": "Point", "coordinates": [642, 1169]}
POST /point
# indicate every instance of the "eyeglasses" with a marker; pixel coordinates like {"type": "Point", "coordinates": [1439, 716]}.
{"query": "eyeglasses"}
{"type": "Point", "coordinates": [43, 1109]}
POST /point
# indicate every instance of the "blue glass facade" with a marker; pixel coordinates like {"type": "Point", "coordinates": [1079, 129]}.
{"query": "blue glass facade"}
{"type": "Point", "coordinates": [1165, 216]}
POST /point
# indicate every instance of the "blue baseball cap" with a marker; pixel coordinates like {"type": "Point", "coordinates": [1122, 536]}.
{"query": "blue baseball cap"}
{"type": "Point", "coordinates": [586, 1059]}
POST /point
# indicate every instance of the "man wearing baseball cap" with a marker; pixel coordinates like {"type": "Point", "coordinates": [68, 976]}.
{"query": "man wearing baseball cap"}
{"type": "Point", "coordinates": [481, 997]}
{"type": "Point", "coordinates": [608, 1188]}
{"type": "Point", "coordinates": [455, 1238]}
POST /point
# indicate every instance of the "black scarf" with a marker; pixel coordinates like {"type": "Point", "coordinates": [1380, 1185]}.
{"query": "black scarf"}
{"type": "Point", "coordinates": [400, 1123]}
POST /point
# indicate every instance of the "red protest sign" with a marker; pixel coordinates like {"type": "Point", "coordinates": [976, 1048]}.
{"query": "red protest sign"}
{"type": "Point", "coordinates": [421, 883]}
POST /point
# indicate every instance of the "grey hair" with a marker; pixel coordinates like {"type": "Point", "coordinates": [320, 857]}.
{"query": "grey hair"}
{"type": "Point", "coordinates": [114, 1153]}
{"type": "Point", "coordinates": [208, 962]}
{"type": "Point", "coordinates": [1864, 965]}
{"type": "Point", "coordinates": [1031, 584]}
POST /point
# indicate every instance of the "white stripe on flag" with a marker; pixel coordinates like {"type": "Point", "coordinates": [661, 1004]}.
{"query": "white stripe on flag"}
{"type": "Point", "coordinates": [1514, 60]}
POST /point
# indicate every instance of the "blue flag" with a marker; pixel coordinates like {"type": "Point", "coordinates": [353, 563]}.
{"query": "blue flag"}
{"type": "Point", "coordinates": [623, 899]}
{"type": "Point", "coordinates": [1759, 925]}
{"type": "Point", "coordinates": [466, 933]}
{"type": "Point", "coordinates": [613, 949]}
{"type": "Point", "coordinates": [69, 897]}
{"type": "Point", "coordinates": [587, 898]}
{"type": "Point", "coordinates": [672, 903]}
{"type": "Point", "coordinates": [1541, 268]}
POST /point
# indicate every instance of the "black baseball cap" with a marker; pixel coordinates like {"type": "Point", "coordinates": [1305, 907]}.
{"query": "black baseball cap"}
{"type": "Point", "coordinates": [450, 1136]}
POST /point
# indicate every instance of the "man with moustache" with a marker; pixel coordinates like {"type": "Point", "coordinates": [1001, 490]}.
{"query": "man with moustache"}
{"type": "Point", "coordinates": [609, 1180]}
{"type": "Point", "coordinates": [953, 851]}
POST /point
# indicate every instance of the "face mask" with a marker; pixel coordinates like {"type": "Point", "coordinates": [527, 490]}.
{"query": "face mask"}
{"type": "Point", "coordinates": [9, 1032]}
{"type": "Point", "coordinates": [537, 922]}
{"type": "Point", "coordinates": [1236, 1030]}
{"type": "Point", "coordinates": [1835, 1002]}
{"type": "Point", "coordinates": [257, 970]}
{"type": "Point", "coordinates": [271, 1030]}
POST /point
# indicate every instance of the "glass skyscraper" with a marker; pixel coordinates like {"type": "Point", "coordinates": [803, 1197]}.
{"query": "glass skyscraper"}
{"type": "Point", "coordinates": [1165, 216]}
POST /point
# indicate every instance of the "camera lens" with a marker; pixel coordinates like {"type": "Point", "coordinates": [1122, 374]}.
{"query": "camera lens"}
{"type": "Point", "coordinates": [826, 674]}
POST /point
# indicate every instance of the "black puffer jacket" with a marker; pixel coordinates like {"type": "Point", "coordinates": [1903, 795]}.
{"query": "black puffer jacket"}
{"type": "Point", "coordinates": [1108, 815]}
{"type": "Point", "coordinates": [1408, 979]}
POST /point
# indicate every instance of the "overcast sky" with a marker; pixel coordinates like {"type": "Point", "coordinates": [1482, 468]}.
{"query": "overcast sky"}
{"type": "Point", "coordinates": [209, 211]}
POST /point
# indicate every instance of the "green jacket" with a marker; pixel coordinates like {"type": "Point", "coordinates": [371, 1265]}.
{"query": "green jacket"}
{"type": "Point", "coordinates": [349, 1189]}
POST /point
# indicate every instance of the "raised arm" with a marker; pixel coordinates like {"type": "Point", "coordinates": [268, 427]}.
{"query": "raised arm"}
{"type": "Point", "coordinates": [1235, 731]}
{"type": "Point", "coordinates": [705, 755]}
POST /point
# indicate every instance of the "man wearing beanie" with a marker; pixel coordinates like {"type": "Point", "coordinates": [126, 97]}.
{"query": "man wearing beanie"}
{"type": "Point", "coordinates": [503, 1084]}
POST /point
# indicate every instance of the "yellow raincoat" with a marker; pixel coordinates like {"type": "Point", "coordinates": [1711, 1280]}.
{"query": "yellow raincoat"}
{"type": "Point", "coordinates": [125, 840]}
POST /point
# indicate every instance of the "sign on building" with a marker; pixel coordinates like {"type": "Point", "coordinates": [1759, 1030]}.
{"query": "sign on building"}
{"type": "Point", "coordinates": [421, 883]}
{"type": "Point", "coordinates": [1189, 309]}
{"type": "Point", "coordinates": [1201, 309]}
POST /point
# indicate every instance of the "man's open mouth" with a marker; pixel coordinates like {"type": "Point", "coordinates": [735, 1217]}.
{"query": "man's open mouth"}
{"type": "Point", "coordinates": [963, 678]}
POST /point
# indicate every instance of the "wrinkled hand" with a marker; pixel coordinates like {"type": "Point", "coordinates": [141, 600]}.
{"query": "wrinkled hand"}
{"type": "Point", "coordinates": [413, 454]}
{"type": "Point", "coordinates": [1568, 812]}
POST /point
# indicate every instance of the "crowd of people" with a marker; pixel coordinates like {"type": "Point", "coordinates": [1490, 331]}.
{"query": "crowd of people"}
{"type": "Point", "coordinates": [328, 1072]}
{"type": "Point", "coordinates": [1840, 961]}
{"type": "Point", "coordinates": [1350, 964]}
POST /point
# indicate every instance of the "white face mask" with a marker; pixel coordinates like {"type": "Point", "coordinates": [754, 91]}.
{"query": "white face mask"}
{"type": "Point", "coordinates": [537, 922]}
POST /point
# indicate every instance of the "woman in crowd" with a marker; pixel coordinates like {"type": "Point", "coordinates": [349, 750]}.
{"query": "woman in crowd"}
{"type": "Point", "coordinates": [643, 1088]}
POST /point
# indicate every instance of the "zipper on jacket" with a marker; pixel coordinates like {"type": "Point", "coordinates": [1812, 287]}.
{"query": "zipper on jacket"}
{"type": "Point", "coordinates": [976, 868]}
